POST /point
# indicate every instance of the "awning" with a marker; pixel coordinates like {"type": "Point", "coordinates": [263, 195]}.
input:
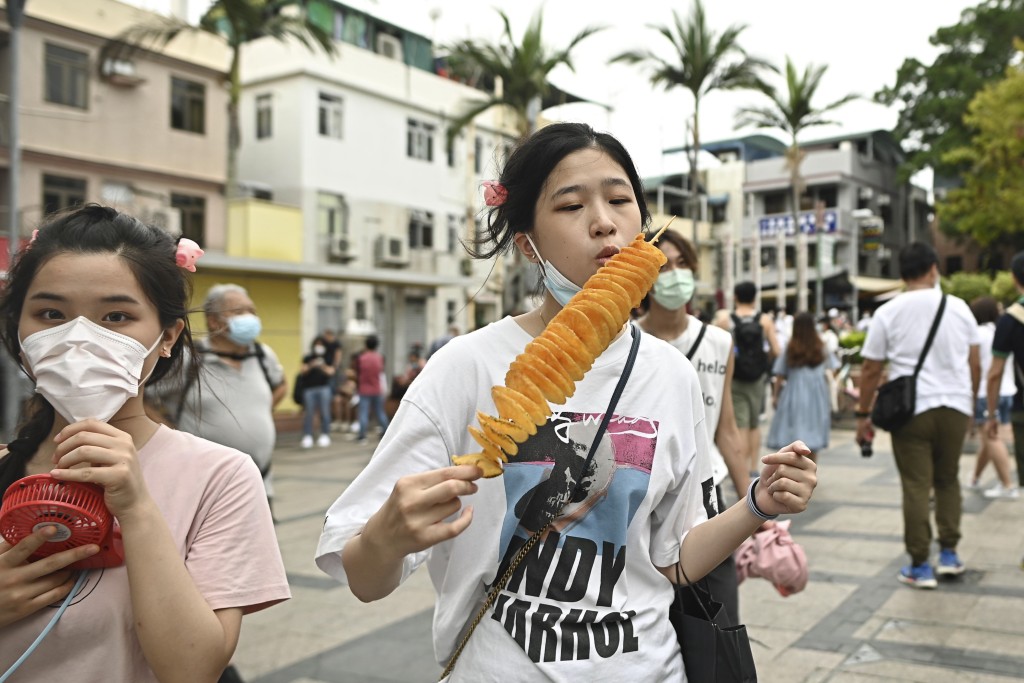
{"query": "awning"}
{"type": "Point", "coordinates": [876, 285]}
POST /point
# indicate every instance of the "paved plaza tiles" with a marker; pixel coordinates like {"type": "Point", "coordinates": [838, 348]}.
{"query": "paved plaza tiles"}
{"type": "Point", "coordinates": [853, 624]}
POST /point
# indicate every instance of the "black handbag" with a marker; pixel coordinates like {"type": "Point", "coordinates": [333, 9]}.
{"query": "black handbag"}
{"type": "Point", "coordinates": [894, 404]}
{"type": "Point", "coordinates": [712, 652]}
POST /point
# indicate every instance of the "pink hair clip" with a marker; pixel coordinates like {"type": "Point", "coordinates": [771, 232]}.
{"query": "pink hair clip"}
{"type": "Point", "coordinates": [495, 193]}
{"type": "Point", "coordinates": [187, 255]}
{"type": "Point", "coordinates": [35, 233]}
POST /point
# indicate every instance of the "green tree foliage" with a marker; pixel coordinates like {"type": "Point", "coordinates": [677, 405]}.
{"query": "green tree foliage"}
{"type": "Point", "coordinates": [990, 203]}
{"type": "Point", "coordinates": [934, 98]}
{"type": "Point", "coordinates": [237, 22]}
{"type": "Point", "coordinates": [523, 68]}
{"type": "Point", "coordinates": [967, 286]}
{"type": "Point", "coordinates": [1003, 288]}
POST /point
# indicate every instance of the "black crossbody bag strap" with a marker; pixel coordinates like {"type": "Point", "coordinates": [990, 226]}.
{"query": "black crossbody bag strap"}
{"type": "Point", "coordinates": [696, 343]}
{"type": "Point", "coordinates": [500, 584]}
{"type": "Point", "coordinates": [931, 336]}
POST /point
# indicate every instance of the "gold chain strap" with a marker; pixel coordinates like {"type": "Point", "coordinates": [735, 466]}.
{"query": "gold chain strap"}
{"type": "Point", "coordinates": [492, 596]}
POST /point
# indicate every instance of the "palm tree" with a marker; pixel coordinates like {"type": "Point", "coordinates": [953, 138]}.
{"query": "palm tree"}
{"type": "Point", "coordinates": [238, 22]}
{"type": "Point", "coordinates": [521, 67]}
{"type": "Point", "coordinates": [793, 112]}
{"type": "Point", "coordinates": [703, 62]}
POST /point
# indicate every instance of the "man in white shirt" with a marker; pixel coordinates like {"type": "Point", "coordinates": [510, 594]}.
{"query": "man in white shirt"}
{"type": "Point", "coordinates": [927, 448]}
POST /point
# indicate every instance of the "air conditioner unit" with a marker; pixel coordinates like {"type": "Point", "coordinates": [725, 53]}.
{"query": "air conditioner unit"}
{"type": "Point", "coordinates": [866, 193]}
{"type": "Point", "coordinates": [339, 248]}
{"type": "Point", "coordinates": [167, 218]}
{"type": "Point", "coordinates": [389, 46]}
{"type": "Point", "coordinates": [884, 200]}
{"type": "Point", "coordinates": [120, 72]}
{"type": "Point", "coordinates": [391, 251]}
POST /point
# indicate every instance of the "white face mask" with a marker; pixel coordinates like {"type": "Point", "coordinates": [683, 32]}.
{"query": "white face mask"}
{"type": "Point", "coordinates": [85, 370]}
{"type": "Point", "coordinates": [561, 287]}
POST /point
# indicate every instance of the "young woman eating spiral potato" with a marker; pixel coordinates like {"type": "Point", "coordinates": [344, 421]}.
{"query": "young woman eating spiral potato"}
{"type": "Point", "coordinates": [571, 549]}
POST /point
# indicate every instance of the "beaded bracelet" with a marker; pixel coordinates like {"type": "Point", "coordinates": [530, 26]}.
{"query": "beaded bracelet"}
{"type": "Point", "coordinates": [753, 506]}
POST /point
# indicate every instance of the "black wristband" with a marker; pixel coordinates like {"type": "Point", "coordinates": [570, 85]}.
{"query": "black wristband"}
{"type": "Point", "coordinates": [859, 414]}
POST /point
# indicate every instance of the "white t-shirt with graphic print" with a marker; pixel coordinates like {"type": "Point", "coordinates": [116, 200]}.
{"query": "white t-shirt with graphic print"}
{"type": "Point", "coordinates": [587, 603]}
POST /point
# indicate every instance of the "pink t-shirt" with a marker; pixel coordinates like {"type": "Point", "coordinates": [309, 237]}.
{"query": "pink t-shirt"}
{"type": "Point", "coordinates": [371, 365]}
{"type": "Point", "coordinates": [213, 500]}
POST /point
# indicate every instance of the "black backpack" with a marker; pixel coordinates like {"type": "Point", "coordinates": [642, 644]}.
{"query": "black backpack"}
{"type": "Point", "coordinates": [751, 358]}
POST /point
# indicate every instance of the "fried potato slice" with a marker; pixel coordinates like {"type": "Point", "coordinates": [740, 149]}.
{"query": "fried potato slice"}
{"type": "Point", "coordinates": [570, 344]}
{"type": "Point", "coordinates": [488, 466]}
{"type": "Point", "coordinates": [618, 307]}
{"type": "Point", "coordinates": [525, 367]}
{"type": "Point", "coordinates": [500, 425]}
{"type": "Point", "coordinates": [565, 361]}
{"type": "Point", "coordinates": [513, 406]}
{"type": "Point", "coordinates": [601, 319]}
{"type": "Point", "coordinates": [491, 448]}
{"type": "Point", "coordinates": [523, 380]}
{"type": "Point", "coordinates": [548, 363]}
{"type": "Point", "coordinates": [577, 321]}
{"type": "Point", "coordinates": [618, 286]}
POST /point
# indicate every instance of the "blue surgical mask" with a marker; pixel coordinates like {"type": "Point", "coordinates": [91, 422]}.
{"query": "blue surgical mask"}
{"type": "Point", "coordinates": [674, 288]}
{"type": "Point", "coordinates": [561, 287]}
{"type": "Point", "coordinates": [244, 328]}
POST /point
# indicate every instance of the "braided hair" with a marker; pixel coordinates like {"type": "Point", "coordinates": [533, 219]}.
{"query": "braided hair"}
{"type": "Point", "coordinates": [149, 253]}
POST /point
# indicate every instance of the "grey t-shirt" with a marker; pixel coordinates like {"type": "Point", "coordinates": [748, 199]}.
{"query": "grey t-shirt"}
{"type": "Point", "coordinates": [232, 406]}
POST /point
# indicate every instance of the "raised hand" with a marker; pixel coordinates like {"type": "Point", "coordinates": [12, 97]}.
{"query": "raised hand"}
{"type": "Point", "coordinates": [787, 480]}
{"type": "Point", "coordinates": [412, 518]}
{"type": "Point", "coordinates": [95, 452]}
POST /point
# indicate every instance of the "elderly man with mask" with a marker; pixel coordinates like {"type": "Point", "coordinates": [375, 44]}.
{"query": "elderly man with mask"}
{"type": "Point", "coordinates": [240, 381]}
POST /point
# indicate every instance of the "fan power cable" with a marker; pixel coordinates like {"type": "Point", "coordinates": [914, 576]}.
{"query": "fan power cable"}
{"type": "Point", "coordinates": [49, 627]}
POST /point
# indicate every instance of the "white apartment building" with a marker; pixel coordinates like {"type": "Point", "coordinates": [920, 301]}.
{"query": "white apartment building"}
{"type": "Point", "coordinates": [358, 142]}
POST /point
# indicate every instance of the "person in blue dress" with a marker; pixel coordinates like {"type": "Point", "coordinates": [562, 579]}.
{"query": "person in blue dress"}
{"type": "Point", "coordinates": [800, 391]}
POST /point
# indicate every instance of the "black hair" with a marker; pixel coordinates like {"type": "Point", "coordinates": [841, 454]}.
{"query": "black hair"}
{"type": "Point", "coordinates": [916, 259]}
{"type": "Point", "coordinates": [745, 292]}
{"type": "Point", "coordinates": [1017, 267]}
{"type": "Point", "coordinates": [92, 229]}
{"type": "Point", "coordinates": [985, 309]}
{"type": "Point", "coordinates": [372, 342]}
{"type": "Point", "coordinates": [528, 168]}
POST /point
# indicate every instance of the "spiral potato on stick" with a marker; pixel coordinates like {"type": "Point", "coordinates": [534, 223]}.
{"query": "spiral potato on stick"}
{"type": "Point", "coordinates": [547, 370]}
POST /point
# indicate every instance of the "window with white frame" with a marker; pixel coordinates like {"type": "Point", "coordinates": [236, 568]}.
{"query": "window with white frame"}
{"type": "Point", "coordinates": [331, 117]}
{"type": "Point", "coordinates": [264, 117]}
{"type": "Point", "coordinates": [421, 229]}
{"type": "Point", "coordinates": [420, 140]}
{"type": "Point", "coordinates": [60, 192]}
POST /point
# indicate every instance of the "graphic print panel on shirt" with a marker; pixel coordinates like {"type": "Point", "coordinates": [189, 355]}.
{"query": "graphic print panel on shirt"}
{"type": "Point", "coordinates": [560, 602]}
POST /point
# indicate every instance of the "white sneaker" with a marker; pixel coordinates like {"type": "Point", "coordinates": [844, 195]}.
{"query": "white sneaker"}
{"type": "Point", "coordinates": [1002, 492]}
{"type": "Point", "coordinates": [307, 441]}
{"type": "Point", "coordinates": [323, 441]}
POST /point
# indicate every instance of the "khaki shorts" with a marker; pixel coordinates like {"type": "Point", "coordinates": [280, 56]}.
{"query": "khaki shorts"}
{"type": "Point", "coordinates": [748, 402]}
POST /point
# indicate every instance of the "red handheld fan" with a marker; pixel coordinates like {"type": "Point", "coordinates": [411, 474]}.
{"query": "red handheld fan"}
{"type": "Point", "coordinates": [75, 509]}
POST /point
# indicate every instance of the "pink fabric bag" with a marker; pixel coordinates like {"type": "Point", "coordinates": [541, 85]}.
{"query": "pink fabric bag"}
{"type": "Point", "coordinates": [773, 554]}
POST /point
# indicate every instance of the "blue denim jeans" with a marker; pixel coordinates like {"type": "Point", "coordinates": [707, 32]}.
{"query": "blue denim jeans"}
{"type": "Point", "coordinates": [365, 402]}
{"type": "Point", "coordinates": [316, 400]}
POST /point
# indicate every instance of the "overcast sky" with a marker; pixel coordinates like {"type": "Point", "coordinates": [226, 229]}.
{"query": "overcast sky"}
{"type": "Point", "coordinates": [863, 43]}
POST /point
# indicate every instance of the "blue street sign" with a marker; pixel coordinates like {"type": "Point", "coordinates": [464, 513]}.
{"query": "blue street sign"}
{"type": "Point", "coordinates": [770, 225]}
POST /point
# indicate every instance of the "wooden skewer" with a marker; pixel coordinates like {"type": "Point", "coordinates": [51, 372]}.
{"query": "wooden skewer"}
{"type": "Point", "coordinates": [663, 229]}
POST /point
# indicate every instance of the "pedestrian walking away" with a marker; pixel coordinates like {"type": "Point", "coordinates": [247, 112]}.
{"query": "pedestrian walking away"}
{"type": "Point", "coordinates": [928, 447]}
{"type": "Point", "coordinates": [96, 308]}
{"type": "Point", "coordinates": [756, 346]}
{"type": "Point", "coordinates": [370, 382]}
{"type": "Point", "coordinates": [568, 199]}
{"type": "Point", "coordinates": [800, 389]}
{"type": "Point", "coordinates": [1008, 340]}
{"type": "Point", "coordinates": [992, 449]}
